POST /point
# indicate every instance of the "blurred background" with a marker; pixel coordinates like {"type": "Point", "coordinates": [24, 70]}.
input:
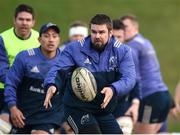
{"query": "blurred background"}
{"type": "Point", "coordinates": [159, 21]}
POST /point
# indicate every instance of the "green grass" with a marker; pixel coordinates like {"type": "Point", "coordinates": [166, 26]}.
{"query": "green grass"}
{"type": "Point", "coordinates": [159, 21]}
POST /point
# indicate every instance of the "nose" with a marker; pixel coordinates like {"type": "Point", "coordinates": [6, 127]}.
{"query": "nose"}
{"type": "Point", "coordinates": [51, 38]}
{"type": "Point", "coordinates": [24, 22]}
{"type": "Point", "coordinates": [97, 35]}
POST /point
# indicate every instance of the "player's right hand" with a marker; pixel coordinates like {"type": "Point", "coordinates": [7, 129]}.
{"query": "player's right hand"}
{"type": "Point", "coordinates": [50, 92]}
{"type": "Point", "coordinates": [17, 117]}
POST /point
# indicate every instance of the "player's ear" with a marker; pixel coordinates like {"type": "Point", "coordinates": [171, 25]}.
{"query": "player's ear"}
{"type": "Point", "coordinates": [33, 22]}
{"type": "Point", "coordinates": [110, 33]}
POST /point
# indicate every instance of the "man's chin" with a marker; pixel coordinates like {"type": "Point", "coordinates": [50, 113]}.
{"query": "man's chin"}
{"type": "Point", "coordinates": [98, 47]}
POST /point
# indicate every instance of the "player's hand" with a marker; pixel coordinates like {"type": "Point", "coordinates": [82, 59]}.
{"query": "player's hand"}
{"type": "Point", "coordinates": [134, 110]}
{"type": "Point", "coordinates": [17, 117]}
{"type": "Point", "coordinates": [50, 92]}
{"type": "Point", "coordinates": [108, 92]}
{"type": "Point", "coordinates": [175, 112]}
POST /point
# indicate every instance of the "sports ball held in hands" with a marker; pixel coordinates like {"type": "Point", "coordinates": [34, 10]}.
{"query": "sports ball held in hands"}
{"type": "Point", "coordinates": [84, 84]}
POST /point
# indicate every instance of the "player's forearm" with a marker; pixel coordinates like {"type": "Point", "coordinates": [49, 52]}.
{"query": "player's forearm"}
{"type": "Point", "coordinates": [10, 97]}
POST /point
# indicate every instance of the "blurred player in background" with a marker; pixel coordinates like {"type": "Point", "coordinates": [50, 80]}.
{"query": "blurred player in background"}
{"type": "Point", "coordinates": [77, 31]}
{"type": "Point", "coordinates": [126, 111]}
{"type": "Point", "coordinates": [24, 91]}
{"type": "Point", "coordinates": [155, 104]}
{"type": "Point", "coordinates": [118, 30]}
{"type": "Point", "coordinates": [12, 41]}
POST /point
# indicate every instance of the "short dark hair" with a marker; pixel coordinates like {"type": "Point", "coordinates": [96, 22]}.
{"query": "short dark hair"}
{"type": "Point", "coordinates": [24, 8]}
{"type": "Point", "coordinates": [100, 19]}
{"type": "Point", "coordinates": [117, 24]}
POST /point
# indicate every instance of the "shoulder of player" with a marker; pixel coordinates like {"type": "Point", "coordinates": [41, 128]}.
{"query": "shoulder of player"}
{"type": "Point", "coordinates": [117, 45]}
{"type": "Point", "coordinates": [74, 45]}
{"type": "Point", "coordinates": [35, 31]}
{"type": "Point", "coordinates": [7, 31]}
{"type": "Point", "coordinates": [141, 40]}
{"type": "Point", "coordinates": [26, 53]}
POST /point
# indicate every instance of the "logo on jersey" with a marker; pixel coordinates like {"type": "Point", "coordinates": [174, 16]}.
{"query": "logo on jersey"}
{"type": "Point", "coordinates": [87, 61]}
{"type": "Point", "coordinates": [51, 130]}
{"type": "Point", "coordinates": [112, 62]}
{"type": "Point", "coordinates": [35, 69]}
{"type": "Point", "coordinates": [117, 44]}
{"type": "Point", "coordinates": [85, 119]}
{"type": "Point", "coordinates": [37, 90]}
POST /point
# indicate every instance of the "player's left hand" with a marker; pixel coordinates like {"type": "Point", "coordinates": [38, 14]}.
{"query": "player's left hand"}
{"type": "Point", "coordinates": [50, 92]}
{"type": "Point", "coordinates": [108, 92]}
{"type": "Point", "coordinates": [133, 110]}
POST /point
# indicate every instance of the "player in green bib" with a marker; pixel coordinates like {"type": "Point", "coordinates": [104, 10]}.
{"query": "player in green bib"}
{"type": "Point", "coordinates": [18, 38]}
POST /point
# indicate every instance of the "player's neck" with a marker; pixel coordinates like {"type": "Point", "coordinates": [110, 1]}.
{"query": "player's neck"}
{"type": "Point", "coordinates": [48, 54]}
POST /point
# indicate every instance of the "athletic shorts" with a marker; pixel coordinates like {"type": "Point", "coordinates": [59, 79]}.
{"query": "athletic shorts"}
{"type": "Point", "coordinates": [97, 124]}
{"type": "Point", "coordinates": [122, 106]}
{"type": "Point", "coordinates": [155, 107]}
{"type": "Point", "coordinates": [50, 128]}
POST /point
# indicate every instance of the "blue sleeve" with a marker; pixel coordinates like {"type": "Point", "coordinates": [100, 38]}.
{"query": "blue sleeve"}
{"type": "Point", "coordinates": [58, 73]}
{"type": "Point", "coordinates": [135, 92]}
{"type": "Point", "coordinates": [4, 63]}
{"type": "Point", "coordinates": [127, 69]}
{"type": "Point", "coordinates": [13, 79]}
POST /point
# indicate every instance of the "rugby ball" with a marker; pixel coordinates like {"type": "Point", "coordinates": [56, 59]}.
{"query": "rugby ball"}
{"type": "Point", "coordinates": [5, 127]}
{"type": "Point", "coordinates": [83, 84]}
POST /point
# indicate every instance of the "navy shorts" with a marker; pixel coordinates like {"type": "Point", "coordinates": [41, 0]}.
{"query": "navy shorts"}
{"type": "Point", "coordinates": [79, 120]}
{"type": "Point", "coordinates": [50, 128]}
{"type": "Point", "coordinates": [155, 107]}
{"type": "Point", "coordinates": [122, 106]}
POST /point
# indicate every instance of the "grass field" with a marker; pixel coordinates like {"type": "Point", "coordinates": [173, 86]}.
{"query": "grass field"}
{"type": "Point", "coordinates": [159, 21]}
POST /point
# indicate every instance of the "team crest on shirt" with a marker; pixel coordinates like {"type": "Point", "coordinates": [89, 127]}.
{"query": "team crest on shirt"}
{"type": "Point", "coordinates": [112, 63]}
{"type": "Point", "coordinates": [85, 119]}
